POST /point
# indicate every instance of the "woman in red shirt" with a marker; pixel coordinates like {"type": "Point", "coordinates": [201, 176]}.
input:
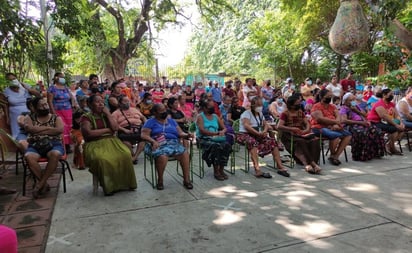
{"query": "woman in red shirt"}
{"type": "Point", "coordinates": [385, 116]}
{"type": "Point", "coordinates": [326, 121]}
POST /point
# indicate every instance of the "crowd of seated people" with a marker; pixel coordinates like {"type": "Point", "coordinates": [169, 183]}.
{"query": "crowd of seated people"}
{"type": "Point", "coordinates": [107, 120]}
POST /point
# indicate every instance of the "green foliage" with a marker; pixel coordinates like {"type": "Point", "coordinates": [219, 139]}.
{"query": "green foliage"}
{"type": "Point", "coordinates": [18, 36]}
{"type": "Point", "coordinates": [40, 60]}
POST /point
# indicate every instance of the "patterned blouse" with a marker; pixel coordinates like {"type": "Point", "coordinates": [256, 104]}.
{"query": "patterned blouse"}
{"type": "Point", "coordinates": [61, 98]}
{"type": "Point", "coordinates": [293, 120]}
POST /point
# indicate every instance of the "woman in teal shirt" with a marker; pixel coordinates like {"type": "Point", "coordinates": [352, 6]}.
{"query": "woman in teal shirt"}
{"type": "Point", "coordinates": [211, 131]}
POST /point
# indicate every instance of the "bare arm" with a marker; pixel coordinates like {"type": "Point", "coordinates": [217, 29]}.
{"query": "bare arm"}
{"type": "Point", "coordinates": [50, 98]}
{"type": "Point", "coordinates": [30, 128]}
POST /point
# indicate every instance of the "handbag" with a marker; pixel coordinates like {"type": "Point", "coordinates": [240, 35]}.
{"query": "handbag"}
{"type": "Point", "coordinates": [134, 136]}
{"type": "Point", "coordinates": [43, 146]}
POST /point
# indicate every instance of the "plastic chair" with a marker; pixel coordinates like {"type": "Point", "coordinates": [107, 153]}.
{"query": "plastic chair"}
{"type": "Point", "coordinates": [153, 177]}
{"type": "Point", "coordinates": [201, 167]}
{"type": "Point", "coordinates": [64, 165]}
{"type": "Point", "coordinates": [246, 157]}
{"type": "Point", "coordinates": [322, 148]}
{"type": "Point", "coordinates": [19, 152]}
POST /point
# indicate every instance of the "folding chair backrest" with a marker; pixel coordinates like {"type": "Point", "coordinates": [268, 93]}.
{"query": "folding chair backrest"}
{"type": "Point", "coordinates": [7, 136]}
{"type": "Point", "coordinates": [236, 125]}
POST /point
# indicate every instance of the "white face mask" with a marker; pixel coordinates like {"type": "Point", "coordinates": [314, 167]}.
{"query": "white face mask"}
{"type": "Point", "coordinates": [309, 82]}
{"type": "Point", "coordinates": [292, 87]}
{"type": "Point", "coordinates": [259, 109]}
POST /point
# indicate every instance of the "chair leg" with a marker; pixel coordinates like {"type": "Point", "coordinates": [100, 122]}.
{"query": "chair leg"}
{"type": "Point", "coordinates": [24, 178]}
{"type": "Point", "coordinates": [95, 184]}
{"type": "Point", "coordinates": [64, 175]}
{"type": "Point", "coordinates": [17, 162]}
{"type": "Point", "coordinates": [407, 139]}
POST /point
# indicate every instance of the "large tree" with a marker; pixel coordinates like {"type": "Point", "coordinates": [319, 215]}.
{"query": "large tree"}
{"type": "Point", "coordinates": [133, 24]}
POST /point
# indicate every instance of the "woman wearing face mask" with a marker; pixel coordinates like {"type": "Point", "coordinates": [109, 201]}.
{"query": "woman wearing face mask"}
{"type": "Point", "coordinates": [277, 107]}
{"type": "Point", "coordinates": [385, 116]}
{"type": "Point", "coordinates": [16, 95]}
{"type": "Point", "coordinates": [211, 132]}
{"type": "Point", "coordinates": [61, 102]}
{"type": "Point", "coordinates": [146, 105]}
{"type": "Point", "coordinates": [253, 130]}
{"type": "Point", "coordinates": [130, 122]}
{"type": "Point", "coordinates": [326, 121]}
{"type": "Point", "coordinates": [158, 94]}
{"type": "Point", "coordinates": [162, 136]}
{"type": "Point", "coordinates": [43, 125]}
{"type": "Point", "coordinates": [293, 122]}
{"type": "Point", "coordinates": [367, 140]}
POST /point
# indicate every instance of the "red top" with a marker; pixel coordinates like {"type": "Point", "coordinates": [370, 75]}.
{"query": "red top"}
{"type": "Point", "coordinates": [346, 83]}
{"type": "Point", "coordinates": [328, 111]}
{"type": "Point", "coordinates": [373, 115]}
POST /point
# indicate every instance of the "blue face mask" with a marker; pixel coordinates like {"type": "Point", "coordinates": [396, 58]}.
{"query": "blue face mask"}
{"type": "Point", "coordinates": [62, 80]}
{"type": "Point", "coordinates": [353, 103]}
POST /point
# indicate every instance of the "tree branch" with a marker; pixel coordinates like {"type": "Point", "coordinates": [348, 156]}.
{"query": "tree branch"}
{"type": "Point", "coordinates": [403, 34]}
{"type": "Point", "coordinates": [139, 27]}
{"type": "Point", "coordinates": [119, 20]}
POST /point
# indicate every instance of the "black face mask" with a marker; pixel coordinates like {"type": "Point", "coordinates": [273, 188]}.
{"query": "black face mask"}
{"type": "Point", "coordinates": [95, 90]}
{"type": "Point", "coordinates": [125, 106]}
{"type": "Point", "coordinates": [327, 100]}
{"type": "Point", "coordinates": [296, 107]}
{"type": "Point", "coordinates": [390, 98]}
{"type": "Point", "coordinates": [43, 112]}
{"type": "Point", "coordinates": [163, 115]}
{"type": "Point", "coordinates": [210, 110]}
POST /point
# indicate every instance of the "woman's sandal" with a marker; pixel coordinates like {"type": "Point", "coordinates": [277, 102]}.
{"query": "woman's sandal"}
{"type": "Point", "coordinates": [284, 173]}
{"type": "Point", "coordinates": [219, 177]}
{"type": "Point", "coordinates": [160, 186]}
{"type": "Point", "coordinates": [334, 161]}
{"type": "Point", "coordinates": [309, 169]}
{"type": "Point", "coordinates": [36, 192]}
{"type": "Point", "coordinates": [263, 175]}
{"type": "Point", "coordinates": [317, 169]}
{"type": "Point", "coordinates": [188, 185]}
{"type": "Point", "coordinates": [224, 175]}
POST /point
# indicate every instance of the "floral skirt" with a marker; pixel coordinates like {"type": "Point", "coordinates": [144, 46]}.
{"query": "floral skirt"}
{"type": "Point", "coordinates": [264, 146]}
{"type": "Point", "coordinates": [170, 148]}
{"type": "Point", "coordinates": [367, 142]}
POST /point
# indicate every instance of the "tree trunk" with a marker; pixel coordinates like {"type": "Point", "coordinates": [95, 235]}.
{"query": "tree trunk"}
{"type": "Point", "coordinates": [403, 34]}
{"type": "Point", "coordinates": [339, 66]}
{"type": "Point", "coordinates": [116, 69]}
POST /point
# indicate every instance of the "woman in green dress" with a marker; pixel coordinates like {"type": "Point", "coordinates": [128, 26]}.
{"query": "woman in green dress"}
{"type": "Point", "coordinates": [106, 156]}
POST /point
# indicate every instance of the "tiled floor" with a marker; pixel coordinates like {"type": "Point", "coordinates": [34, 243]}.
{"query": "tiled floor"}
{"type": "Point", "coordinates": [30, 218]}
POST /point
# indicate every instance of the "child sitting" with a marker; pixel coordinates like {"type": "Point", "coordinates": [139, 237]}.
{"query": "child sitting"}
{"type": "Point", "coordinates": [78, 140]}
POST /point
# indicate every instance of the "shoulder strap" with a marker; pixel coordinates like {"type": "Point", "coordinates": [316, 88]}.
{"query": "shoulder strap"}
{"type": "Point", "coordinates": [125, 117]}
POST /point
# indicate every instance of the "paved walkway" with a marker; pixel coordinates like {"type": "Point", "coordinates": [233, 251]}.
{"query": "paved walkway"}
{"type": "Point", "coordinates": [356, 207]}
{"type": "Point", "coordinates": [30, 218]}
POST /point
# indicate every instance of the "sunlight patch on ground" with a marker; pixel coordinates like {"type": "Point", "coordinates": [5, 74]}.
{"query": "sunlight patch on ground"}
{"type": "Point", "coordinates": [224, 191]}
{"type": "Point", "coordinates": [227, 217]}
{"type": "Point", "coordinates": [308, 230]}
{"type": "Point", "coordinates": [349, 170]}
{"type": "Point", "coordinates": [320, 244]}
{"type": "Point", "coordinates": [363, 187]}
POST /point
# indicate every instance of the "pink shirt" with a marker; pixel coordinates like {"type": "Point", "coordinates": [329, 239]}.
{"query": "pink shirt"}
{"type": "Point", "coordinates": [157, 96]}
{"type": "Point", "coordinates": [373, 115]}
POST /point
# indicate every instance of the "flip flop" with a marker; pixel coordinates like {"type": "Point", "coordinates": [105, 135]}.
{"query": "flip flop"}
{"type": "Point", "coordinates": [264, 175]}
{"type": "Point", "coordinates": [309, 169]}
{"type": "Point", "coordinates": [318, 170]}
{"type": "Point", "coordinates": [334, 161]}
{"type": "Point", "coordinates": [284, 173]}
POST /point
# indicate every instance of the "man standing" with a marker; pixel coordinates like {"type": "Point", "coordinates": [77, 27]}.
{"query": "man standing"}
{"type": "Point", "coordinates": [348, 84]}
